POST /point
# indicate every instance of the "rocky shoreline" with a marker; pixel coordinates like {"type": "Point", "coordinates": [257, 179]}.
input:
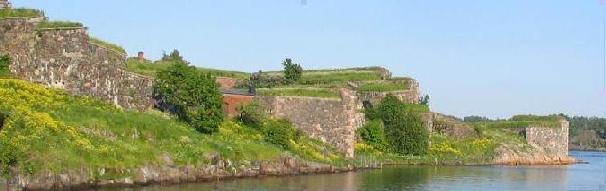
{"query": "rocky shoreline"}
{"type": "Point", "coordinates": [221, 169]}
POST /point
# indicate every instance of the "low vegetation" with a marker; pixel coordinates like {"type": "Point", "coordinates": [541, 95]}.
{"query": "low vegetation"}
{"type": "Point", "coordinates": [5, 62]}
{"type": "Point", "coordinates": [58, 24]}
{"type": "Point", "coordinates": [151, 68]}
{"type": "Point", "coordinates": [20, 13]}
{"type": "Point", "coordinates": [107, 45]}
{"type": "Point", "coordinates": [47, 130]}
{"type": "Point", "coordinates": [384, 86]}
{"type": "Point", "coordinates": [302, 92]}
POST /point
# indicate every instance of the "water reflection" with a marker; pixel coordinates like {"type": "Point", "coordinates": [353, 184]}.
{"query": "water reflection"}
{"type": "Point", "coordinates": [576, 177]}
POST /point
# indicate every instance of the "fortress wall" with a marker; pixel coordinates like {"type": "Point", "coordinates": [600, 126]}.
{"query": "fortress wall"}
{"type": "Point", "coordinates": [553, 140]}
{"type": "Point", "coordinates": [333, 121]}
{"type": "Point", "coordinates": [64, 58]}
{"type": "Point", "coordinates": [411, 95]}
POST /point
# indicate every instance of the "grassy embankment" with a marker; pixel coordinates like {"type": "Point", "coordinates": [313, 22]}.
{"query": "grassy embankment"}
{"type": "Point", "coordinates": [47, 130]}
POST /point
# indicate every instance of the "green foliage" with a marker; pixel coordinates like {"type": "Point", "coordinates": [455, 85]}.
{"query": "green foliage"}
{"type": "Point", "coordinates": [279, 132]}
{"type": "Point", "coordinates": [58, 24]}
{"type": "Point", "coordinates": [20, 13]}
{"type": "Point", "coordinates": [304, 92]}
{"type": "Point", "coordinates": [252, 114]}
{"type": "Point", "coordinates": [5, 62]}
{"type": "Point", "coordinates": [173, 56]}
{"type": "Point", "coordinates": [424, 100]}
{"type": "Point", "coordinates": [107, 45]}
{"type": "Point", "coordinates": [467, 151]}
{"type": "Point", "coordinates": [330, 78]}
{"type": "Point", "coordinates": [292, 71]}
{"type": "Point", "coordinates": [550, 118]}
{"type": "Point", "coordinates": [149, 68]}
{"type": "Point", "coordinates": [372, 133]}
{"type": "Point", "coordinates": [383, 86]}
{"type": "Point", "coordinates": [45, 130]}
{"type": "Point", "coordinates": [472, 119]}
{"type": "Point", "coordinates": [519, 121]}
{"type": "Point", "coordinates": [192, 95]}
{"type": "Point", "coordinates": [403, 127]}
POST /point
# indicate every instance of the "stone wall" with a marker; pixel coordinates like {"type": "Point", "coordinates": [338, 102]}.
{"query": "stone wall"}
{"type": "Point", "coordinates": [64, 58]}
{"type": "Point", "coordinates": [333, 121]}
{"type": "Point", "coordinates": [232, 102]}
{"type": "Point", "coordinates": [411, 95]}
{"type": "Point", "coordinates": [227, 83]}
{"type": "Point", "coordinates": [553, 140]}
{"type": "Point", "coordinates": [450, 126]}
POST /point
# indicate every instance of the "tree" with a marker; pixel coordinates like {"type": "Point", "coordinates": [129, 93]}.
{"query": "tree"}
{"type": "Point", "coordinates": [292, 71]}
{"type": "Point", "coordinates": [173, 56]}
{"type": "Point", "coordinates": [424, 100]}
{"type": "Point", "coordinates": [404, 127]}
{"type": "Point", "coordinates": [190, 94]}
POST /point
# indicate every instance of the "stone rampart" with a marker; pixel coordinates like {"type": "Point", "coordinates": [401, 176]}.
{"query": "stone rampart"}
{"type": "Point", "coordinates": [554, 141]}
{"type": "Point", "coordinates": [64, 58]}
{"type": "Point", "coordinates": [333, 121]}
{"type": "Point", "coordinates": [410, 95]}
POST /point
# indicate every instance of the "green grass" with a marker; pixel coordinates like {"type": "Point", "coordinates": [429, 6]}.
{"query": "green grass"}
{"type": "Point", "coordinates": [150, 68]}
{"type": "Point", "coordinates": [58, 24]}
{"type": "Point", "coordinates": [522, 121]}
{"type": "Point", "coordinates": [334, 78]}
{"type": "Point", "coordinates": [384, 86]}
{"type": "Point", "coordinates": [303, 92]}
{"type": "Point", "coordinates": [47, 130]}
{"type": "Point", "coordinates": [20, 13]}
{"type": "Point", "coordinates": [107, 45]}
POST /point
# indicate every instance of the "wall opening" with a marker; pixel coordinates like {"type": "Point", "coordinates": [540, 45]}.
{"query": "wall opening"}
{"type": "Point", "coordinates": [367, 104]}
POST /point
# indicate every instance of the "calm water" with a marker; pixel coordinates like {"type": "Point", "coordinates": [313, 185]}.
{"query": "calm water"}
{"type": "Point", "coordinates": [576, 177]}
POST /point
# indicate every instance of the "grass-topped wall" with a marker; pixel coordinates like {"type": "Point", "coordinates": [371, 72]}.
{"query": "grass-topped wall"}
{"type": "Point", "coordinates": [150, 68]}
{"type": "Point", "coordinates": [301, 92]}
{"type": "Point", "coordinates": [107, 45]}
{"type": "Point", "coordinates": [384, 86]}
{"type": "Point", "coordinates": [522, 121]}
{"type": "Point", "coordinates": [20, 13]}
{"type": "Point", "coordinates": [58, 24]}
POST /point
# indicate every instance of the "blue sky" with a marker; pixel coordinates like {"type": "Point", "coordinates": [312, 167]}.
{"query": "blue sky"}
{"type": "Point", "coordinates": [473, 57]}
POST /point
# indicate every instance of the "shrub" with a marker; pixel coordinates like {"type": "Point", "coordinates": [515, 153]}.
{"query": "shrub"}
{"type": "Point", "coordinates": [404, 128]}
{"type": "Point", "coordinates": [192, 95]}
{"type": "Point", "coordinates": [292, 71]}
{"type": "Point", "coordinates": [279, 132]}
{"type": "Point", "coordinates": [373, 134]}
{"type": "Point", "coordinates": [5, 62]}
{"type": "Point", "coordinates": [252, 114]}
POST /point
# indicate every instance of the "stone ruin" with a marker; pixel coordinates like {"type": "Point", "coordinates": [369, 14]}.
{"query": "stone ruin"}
{"type": "Point", "coordinates": [5, 4]}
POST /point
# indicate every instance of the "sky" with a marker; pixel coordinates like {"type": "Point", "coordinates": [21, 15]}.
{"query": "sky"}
{"type": "Point", "coordinates": [472, 57]}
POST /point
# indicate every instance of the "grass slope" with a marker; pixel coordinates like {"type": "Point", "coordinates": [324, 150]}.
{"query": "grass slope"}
{"type": "Point", "coordinates": [47, 130]}
{"type": "Point", "coordinates": [149, 68]}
